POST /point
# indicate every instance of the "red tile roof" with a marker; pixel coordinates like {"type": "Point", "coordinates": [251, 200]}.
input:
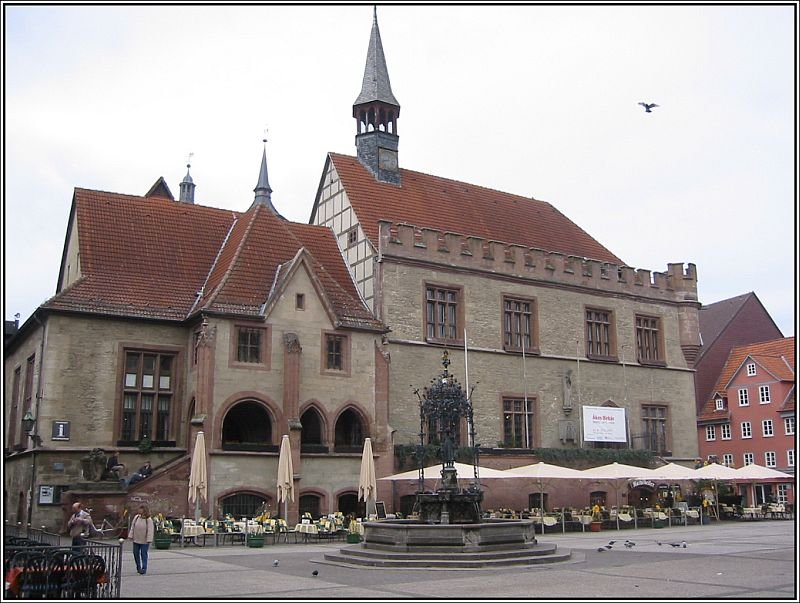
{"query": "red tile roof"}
{"type": "Point", "coordinates": [776, 356]}
{"type": "Point", "coordinates": [430, 201]}
{"type": "Point", "coordinates": [148, 258]}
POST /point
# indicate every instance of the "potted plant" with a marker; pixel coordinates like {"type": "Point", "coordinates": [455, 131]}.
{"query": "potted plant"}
{"type": "Point", "coordinates": [163, 534]}
{"type": "Point", "coordinates": [597, 519]}
{"type": "Point", "coordinates": [353, 535]}
{"type": "Point", "coordinates": [657, 521]}
{"type": "Point", "coordinates": [255, 541]}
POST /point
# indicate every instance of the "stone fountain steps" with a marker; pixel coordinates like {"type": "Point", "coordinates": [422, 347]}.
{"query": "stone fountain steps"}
{"type": "Point", "coordinates": [360, 555]}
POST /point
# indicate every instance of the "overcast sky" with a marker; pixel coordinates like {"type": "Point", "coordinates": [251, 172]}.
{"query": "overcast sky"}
{"type": "Point", "coordinates": [533, 100]}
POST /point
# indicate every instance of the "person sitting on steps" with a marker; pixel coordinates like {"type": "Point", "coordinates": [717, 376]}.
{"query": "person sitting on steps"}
{"type": "Point", "coordinates": [144, 471]}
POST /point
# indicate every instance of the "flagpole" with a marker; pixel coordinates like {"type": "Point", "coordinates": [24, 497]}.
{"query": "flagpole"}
{"type": "Point", "coordinates": [466, 380]}
{"type": "Point", "coordinates": [525, 384]}
{"type": "Point", "coordinates": [580, 404]}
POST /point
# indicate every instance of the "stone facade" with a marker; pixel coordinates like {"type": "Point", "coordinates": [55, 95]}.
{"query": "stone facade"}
{"type": "Point", "coordinates": [82, 383]}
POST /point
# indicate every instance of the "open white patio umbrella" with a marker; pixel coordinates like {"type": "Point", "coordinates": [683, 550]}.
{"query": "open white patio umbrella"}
{"type": "Point", "coordinates": [285, 477]}
{"type": "Point", "coordinates": [367, 484]}
{"type": "Point", "coordinates": [198, 474]}
{"type": "Point", "coordinates": [716, 472]}
{"type": "Point", "coordinates": [672, 471]}
{"type": "Point", "coordinates": [616, 474]}
{"type": "Point", "coordinates": [544, 472]}
{"type": "Point", "coordinates": [433, 472]}
{"type": "Point", "coordinates": [753, 474]}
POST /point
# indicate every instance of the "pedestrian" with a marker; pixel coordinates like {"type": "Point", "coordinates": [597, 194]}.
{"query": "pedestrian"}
{"type": "Point", "coordinates": [141, 533]}
{"type": "Point", "coordinates": [79, 523]}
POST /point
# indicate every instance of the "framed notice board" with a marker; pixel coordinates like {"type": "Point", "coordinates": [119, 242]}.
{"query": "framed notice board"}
{"type": "Point", "coordinates": [381, 509]}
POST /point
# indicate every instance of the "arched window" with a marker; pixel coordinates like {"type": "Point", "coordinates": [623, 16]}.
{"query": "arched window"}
{"type": "Point", "coordinates": [312, 436]}
{"type": "Point", "coordinates": [348, 503]}
{"type": "Point", "coordinates": [244, 504]}
{"type": "Point", "coordinates": [248, 426]}
{"type": "Point", "coordinates": [349, 432]}
{"type": "Point", "coordinates": [309, 503]}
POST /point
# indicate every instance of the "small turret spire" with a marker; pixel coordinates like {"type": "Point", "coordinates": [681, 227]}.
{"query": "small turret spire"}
{"type": "Point", "coordinates": [263, 190]}
{"type": "Point", "coordinates": [187, 184]}
{"type": "Point", "coordinates": [376, 111]}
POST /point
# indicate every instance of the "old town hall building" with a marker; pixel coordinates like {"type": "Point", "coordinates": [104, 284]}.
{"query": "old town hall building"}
{"type": "Point", "coordinates": [172, 318]}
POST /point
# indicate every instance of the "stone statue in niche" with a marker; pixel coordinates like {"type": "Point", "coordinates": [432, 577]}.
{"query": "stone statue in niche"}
{"type": "Point", "coordinates": [567, 401]}
{"type": "Point", "coordinates": [292, 342]}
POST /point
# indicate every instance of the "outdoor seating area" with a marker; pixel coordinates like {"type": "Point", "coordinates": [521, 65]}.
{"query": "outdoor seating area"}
{"type": "Point", "coordinates": [568, 519]}
{"type": "Point", "coordinates": [230, 530]}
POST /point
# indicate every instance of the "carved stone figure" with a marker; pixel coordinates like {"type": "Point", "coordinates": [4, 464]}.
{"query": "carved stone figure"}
{"type": "Point", "coordinates": [94, 465]}
{"type": "Point", "coordinates": [567, 401]}
{"type": "Point", "coordinates": [292, 343]}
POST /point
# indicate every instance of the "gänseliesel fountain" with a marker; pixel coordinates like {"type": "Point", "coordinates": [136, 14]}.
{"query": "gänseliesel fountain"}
{"type": "Point", "coordinates": [447, 528]}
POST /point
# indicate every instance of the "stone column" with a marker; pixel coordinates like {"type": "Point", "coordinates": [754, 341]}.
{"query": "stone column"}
{"type": "Point", "coordinates": [292, 362]}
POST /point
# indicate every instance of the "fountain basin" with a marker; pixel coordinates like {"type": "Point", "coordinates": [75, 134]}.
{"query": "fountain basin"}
{"type": "Point", "coordinates": [415, 535]}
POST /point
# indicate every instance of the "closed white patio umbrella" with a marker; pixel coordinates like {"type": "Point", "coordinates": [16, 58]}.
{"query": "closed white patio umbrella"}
{"type": "Point", "coordinates": [367, 484]}
{"type": "Point", "coordinates": [285, 485]}
{"type": "Point", "coordinates": [198, 474]}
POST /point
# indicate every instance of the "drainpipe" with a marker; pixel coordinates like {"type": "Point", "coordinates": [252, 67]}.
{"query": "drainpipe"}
{"type": "Point", "coordinates": [35, 439]}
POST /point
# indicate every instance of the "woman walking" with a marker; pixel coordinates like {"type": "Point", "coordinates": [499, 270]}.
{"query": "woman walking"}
{"type": "Point", "coordinates": [141, 532]}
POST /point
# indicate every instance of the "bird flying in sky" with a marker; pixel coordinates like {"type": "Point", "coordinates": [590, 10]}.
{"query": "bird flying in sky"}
{"type": "Point", "coordinates": [648, 106]}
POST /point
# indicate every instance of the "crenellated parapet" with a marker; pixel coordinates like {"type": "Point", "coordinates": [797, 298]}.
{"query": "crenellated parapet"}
{"type": "Point", "coordinates": [404, 240]}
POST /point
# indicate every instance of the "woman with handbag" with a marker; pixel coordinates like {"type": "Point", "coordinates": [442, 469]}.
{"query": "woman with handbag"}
{"type": "Point", "coordinates": [141, 532]}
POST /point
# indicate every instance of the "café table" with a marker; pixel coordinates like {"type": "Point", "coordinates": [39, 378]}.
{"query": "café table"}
{"type": "Point", "coordinates": [306, 529]}
{"type": "Point", "coordinates": [190, 532]}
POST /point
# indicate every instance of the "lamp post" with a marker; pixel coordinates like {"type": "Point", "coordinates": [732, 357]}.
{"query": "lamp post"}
{"type": "Point", "coordinates": [29, 425]}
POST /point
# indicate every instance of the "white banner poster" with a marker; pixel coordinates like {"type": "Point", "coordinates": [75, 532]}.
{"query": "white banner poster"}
{"type": "Point", "coordinates": [604, 424]}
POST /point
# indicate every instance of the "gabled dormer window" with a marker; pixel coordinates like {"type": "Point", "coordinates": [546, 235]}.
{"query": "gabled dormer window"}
{"type": "Point", "coordinates": [751, 369]}
{"type": "Point", "coordinates": [719, 404]}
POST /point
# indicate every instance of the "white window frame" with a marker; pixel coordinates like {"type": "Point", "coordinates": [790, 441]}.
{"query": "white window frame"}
{"type": "Point", "coordinates": [790, 457]}
{"type": "Point", "coordinates": [763, 394]}
{"type": "Point", "coordinates": [751, 369]}
{"type": "Point", "coordinates": [725, 431]}
{"type": "Point", "coordinates": [782, 493]}
{"type": "Point", "coordinates": [746, 430]}
{"type": "Point", "coordinates": [788, 425]}
{"type": "Point", "coordinates": [770, 460]}
{"type": "Point", "coordinates": [744, 397]}
{"type": "Point", "coordinates": [727, 459]}
{"type": "Point", "coordinates": [719, 404]}
{"type": "Point", "coordinates": [749, 458]}
{"type": "Point", "coordinates": [711, 433]}
{"type": "Point", "coordinates": [767, 428]}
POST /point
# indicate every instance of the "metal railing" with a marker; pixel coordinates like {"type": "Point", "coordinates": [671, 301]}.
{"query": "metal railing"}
{"type": "Point", "coordinates": [41, 567]}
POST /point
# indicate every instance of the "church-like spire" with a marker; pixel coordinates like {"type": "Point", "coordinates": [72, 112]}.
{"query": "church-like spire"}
{"type": "Point", "coordinates": [187, 185]}
{"type": "Point", "coordinates": [376, 111]}
{"type": "Point", "coordinates": [376, 85]}
{"type": "Point", "coordinates": [263, 190]}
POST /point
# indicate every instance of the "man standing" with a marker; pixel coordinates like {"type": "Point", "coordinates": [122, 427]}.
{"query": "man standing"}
{"type": "Point", "coordinates": [79, 523]}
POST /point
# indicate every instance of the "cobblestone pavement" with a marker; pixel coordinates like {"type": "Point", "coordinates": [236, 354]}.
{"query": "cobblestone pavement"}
{"type": "Point", "coordinates": [725, 560]}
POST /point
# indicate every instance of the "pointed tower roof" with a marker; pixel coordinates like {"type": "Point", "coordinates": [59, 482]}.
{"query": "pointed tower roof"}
{"type": "Point", "coordinates": [187, 187]}
{"type": "Point", "coordinates": [376, 86]}
{"type": "Point", "coordinates": [263, 190]}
